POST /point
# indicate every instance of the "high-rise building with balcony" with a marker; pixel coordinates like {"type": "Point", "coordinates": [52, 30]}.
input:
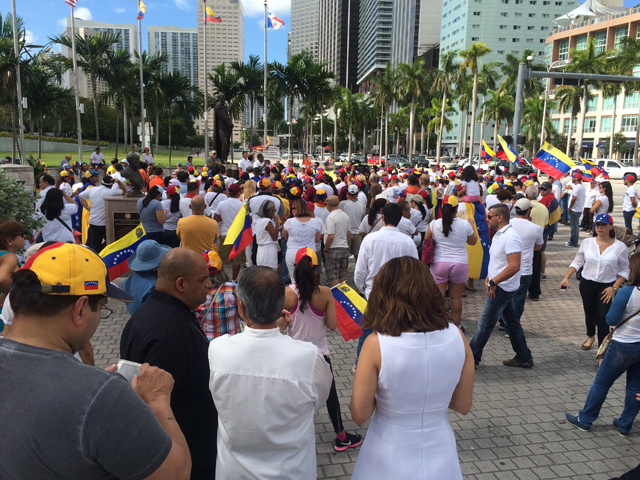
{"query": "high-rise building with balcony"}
{"type": "Point", "coordinates": [374, 39]}
{"type": "Point", "coordinates": [305, 25]}
{"type": "Point", "coordinates": [181, 47]}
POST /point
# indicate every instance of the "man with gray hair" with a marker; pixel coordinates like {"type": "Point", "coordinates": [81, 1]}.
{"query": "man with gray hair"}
{"type": "Point", "coordinates": [540, 216]}
{"type": "Point", "coordinates": [266, 386]}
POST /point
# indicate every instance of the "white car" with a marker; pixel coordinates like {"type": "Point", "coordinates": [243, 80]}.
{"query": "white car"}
{"type": "Point", "coordinates": [484, 166]}
{"type": "Point", "coordinates": [615, 169]}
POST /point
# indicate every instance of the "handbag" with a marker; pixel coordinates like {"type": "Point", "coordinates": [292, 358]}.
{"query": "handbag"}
{"type": "Point", "coordinates": [428, 247]}
{"type": "Point", "coordinates": [602, 349]}
{"type": "Point", "coordinates": [579, 274]}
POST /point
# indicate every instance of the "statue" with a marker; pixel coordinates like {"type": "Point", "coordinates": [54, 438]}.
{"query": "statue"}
{"type": "Point", "coordinates": [224, 127]}
{"type": "Point", "coordinates": [132, 173]}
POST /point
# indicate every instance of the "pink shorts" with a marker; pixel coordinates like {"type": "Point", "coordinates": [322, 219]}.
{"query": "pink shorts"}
{"type": "Point", "coordinates": [471, 198]}
{"type": "Point", "coordinates": [444, 272]}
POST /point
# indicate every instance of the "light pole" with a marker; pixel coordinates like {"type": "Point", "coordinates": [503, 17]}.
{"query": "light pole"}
{"type": "Point", "coordinates": [546, 97]}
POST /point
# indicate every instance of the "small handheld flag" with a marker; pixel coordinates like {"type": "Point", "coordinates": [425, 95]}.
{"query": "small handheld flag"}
{"type": "Point", "coordinates": [116, 255]}
{"type": "Point", "coordinates": [274, 22]}
{"type": "Point", "coordinates": [350, 307]}
{"type": "Point", "coordinates": [505, 152]}
{"type": "Point", "coordinates": [211, 16]}
{"type": "Point", "coordinates": [552, 161]}
{"type": "Point", "coordinates": [240, 234]}
{"type": "Point", "coordinates": [142, 9]}
{"type": "Point", "coordinates": [486, 152]}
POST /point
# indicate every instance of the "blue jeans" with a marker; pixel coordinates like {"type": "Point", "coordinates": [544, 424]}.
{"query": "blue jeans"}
{"type": "Point", "coordinates": [620, 358]}
{"type": "Point", "coordinates": [284, 269]}
{"type": "Point", "coordinates": [628, 217]}
{"type": "Point", "coordinates": [503, 305]}
{"type": "Point", "coordinates": [564, 205]}
{"type": "Point", "coordinates": [574, 222]}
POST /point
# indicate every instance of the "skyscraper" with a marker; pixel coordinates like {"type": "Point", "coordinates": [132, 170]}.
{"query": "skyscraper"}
{"type": "Point", "coordinates": [338, 31]}
{"type": "Point", "coordinates": [405, 31]}
{"type": "Point", "coordinates": [305, 23]}
{"type": "Point", "coordinates": [181, 47]}
{"type": "Point", "coordinates": [374, 39]}
{"type": "Point", "coordinates": [225, 43]}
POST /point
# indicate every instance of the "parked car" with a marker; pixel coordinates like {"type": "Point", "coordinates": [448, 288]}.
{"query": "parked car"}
{"type": "Point", "coordinates": [483, 166]}
{"type": "Point", "coordinates": [373, 160]}
{"type": "Point", "coordinates": [447, 162]}
{"type": "Point", "coordinates": [615, 169]}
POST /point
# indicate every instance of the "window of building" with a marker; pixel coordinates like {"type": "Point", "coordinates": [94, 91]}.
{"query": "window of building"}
{"type": "Point", "coordinates": [545, 15]}
{"type": "Point", "coordinates": [592, 106]}
{"type": "Point", "coordinates": [564, 49]}
{"type": "Point", "coordinates": [532, 2]}
{"type": "Point", "coordinates": [475, 25]}
{"type": "Point", "coordinates": [504, 14]}
{"type": "Point", "coordinates": [531, 15]}
{"type": "Point", "coordinates": [607, 103]}
{"type": "Point", "coordinates": [515, 52]}
{"type": "Point", "coordinates": [601, 41]}
{"type": "Point", "coordinates": [475, 39]}
{"type": "Point", "coordinates": [629, 123]}
{"type": "Point", "coordinates": [544, 28]}
{"type": "Point", "coordinates": [516, 27]}
{"type": "Point", "coordinates": [621, 32]}
{"type": "Point", "coordinates": [515, 40]}
{"type": "Point", "coordinates": [542, 40]}
{"type": "Point", "coordinates": [632, 101]}
{"type": "Point", "coordinates": [565, 130]}
{"type": "Point", "coordinates": [558, 4]}
{"type": "Point", "coordinates": [590, 125]}
{"type": "Point", "coordinates": [546, 3]}
{"type": "Point", "coordinates": [529, 40]}
{"type": "Point", "coordinates": [530, 27]}
{"type": "Point", "coordinates": [476, 14]}
{"type": "Point", "coordinates": [517, 14]}
{"type": "Point", "coordinates": [505, 1]}
{"type": "Point", "coordinates": [502, 39]}
{"type": "Point", "coordinates": [500, 52]}
{"type": "Point", "coordinates": [605, 125]}
{"type": "Point", "coordinates": [581, 42]}
{"type": "Point", "coordinates": [556, 125]}
{"type": "Point", "coordinates": [502, 27]}
{"type": "Point", "coordinates": [636, 70]}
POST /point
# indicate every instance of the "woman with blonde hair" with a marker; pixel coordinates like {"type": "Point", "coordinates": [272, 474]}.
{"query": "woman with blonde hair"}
{"type": "Point", "coordinates": [249, 189]}
{"type": "Point", "coordinates": [410, 435]}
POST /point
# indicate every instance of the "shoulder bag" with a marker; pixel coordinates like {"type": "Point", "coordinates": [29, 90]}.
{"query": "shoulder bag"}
{"type": "Point", "coordinates": [73, 232]}
{"type": "Point", "coordinates": [602, 349]}
{"type": "Point", "coordinates": [428, 248]}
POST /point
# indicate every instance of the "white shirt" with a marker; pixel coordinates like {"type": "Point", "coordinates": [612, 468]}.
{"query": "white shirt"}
{"type": "Point", "coordinates": [604, 268]}
{"type": "Point", "coordinates": [228, 210]}
{"type": "Point", "coordinates": [472, 188]}
{"type": "Point", "coordinates": [604, 204]}
{"type": "Point", "coordinates": [55, 231]}
{"type": "Point", "coordinates": [366, 228]}
{"type": "Point", "coordinates": [66, 188]}
{"type": "Point", "coordinates": [171, 223]}
{"type": "Point", "coordinates": [266, 406]}
{"type": "Point", "coordinates": [96, 196]}
{"type": "Point", "coordinates": [453, 248]}
{"type": "Point", "coordinates": [257, 200]}
{"type": "Point", "coordinates": [556, 190]}
{"type": "Point", "coordinates": [338, 224]}
{"type": "Point", "coordinates": [148, 158]}
{"type": "Point", "coordinates": [491, 200]}
{"type": "Point", "coordinates": [578, 192]}
{"type": "Point", "coordinates": [407, 227]}
{"type": "Point", "coordinates": [339, 187]}
{"type": "Point", "coordinates": [505, 242]}
{"type": "Point", "coordinates": [393, 193]}
{"type": "Point", "coordinates": [244, 164]}
{"type": "Point", "coordinates": [631, 192]}
{"type": "Point", "coordinates": [96, 158]}
{"type": "Point", "coordinates": [362, 198]}
{"type": "Point", "coordinates": [213, 199]}
{"type": "Point", "coordinates": [185, 208]}
{"type": "Point", "coordinates": [301, 234]}
{"type": "Point", "coordinates": [530, 235]}
{"type": "Point", "coordinates": [591, 195]}
{"type": "Point", "coordinates": [630, 331]}
{"type": "Point", "coordinates": [43, 194]}
{"type": "Point", "coordinates": [356, 211]}
{"type": "Point", "coordinates": [258, 164]}
{"type": "Point", "coordinates": [326, 188]}
{"type": "Point", "coordinates": [418, 221]}
{"type": "Point", "coordinates": [376, 250]}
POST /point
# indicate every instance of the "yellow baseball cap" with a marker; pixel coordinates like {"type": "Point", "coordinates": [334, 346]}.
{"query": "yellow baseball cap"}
{"type": "Point", "coordinates": [450, 200]}
{"type": "Point", "coordinates": [306, 252]}
{"type": "Point", "coordinates": [64, 173]}
{"type": "Point", "coordinates": [71, 269]}
{"type": "Point", "coordinates": [213, 260]}
{"type": "Point", "coordinates": [529, 183]}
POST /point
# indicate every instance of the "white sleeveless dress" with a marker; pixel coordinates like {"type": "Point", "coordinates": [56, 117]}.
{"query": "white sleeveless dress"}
{"type": "Point", "coordinates": [409, 436]}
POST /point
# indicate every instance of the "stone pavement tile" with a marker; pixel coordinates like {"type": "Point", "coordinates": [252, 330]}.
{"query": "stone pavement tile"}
{"type": "Point", "coordinates": [331, 471]}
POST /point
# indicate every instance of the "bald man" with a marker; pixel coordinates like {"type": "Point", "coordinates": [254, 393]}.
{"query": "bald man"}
{"type": "Point", "coordinates": [198, 232]}
{"type": "Point", "coordinates": [164, 333]}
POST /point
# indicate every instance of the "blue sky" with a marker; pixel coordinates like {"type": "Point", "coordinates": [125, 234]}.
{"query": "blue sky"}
{"type": "Point", "coordinates": [48, 19]}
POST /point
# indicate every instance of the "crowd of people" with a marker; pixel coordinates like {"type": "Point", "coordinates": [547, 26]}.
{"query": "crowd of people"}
{"type": "Point", "coordinates": [233, 348]}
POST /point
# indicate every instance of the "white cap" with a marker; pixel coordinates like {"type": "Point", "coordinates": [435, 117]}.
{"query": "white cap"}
{"type": "Point", "coordinates": [353, 189]}
{"type": "Point", "coordinates": [523, 204]}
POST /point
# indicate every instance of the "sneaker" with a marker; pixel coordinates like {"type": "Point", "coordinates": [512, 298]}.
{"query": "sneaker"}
{"type": "Point", "coordinates": [575, 421]}
{"type": "Point", "coordinates": [512, 362]}
{"type": "Point", "coordinates": [535, 299]}
{"type": "Point", "coordinates": [623, 432]}
{"type": "Point", "coordinates": [568, 244]}
{"type": "Point", "coordinates": [543, 277]}
{"type": "Point", "coordinates": [506, 334]}
{"type": "Point", "coordinates": [501, 326]}
{"type": "Point", "coordinates": [353, 369]}
{"type": "Point", "coordinates": [353, 440]}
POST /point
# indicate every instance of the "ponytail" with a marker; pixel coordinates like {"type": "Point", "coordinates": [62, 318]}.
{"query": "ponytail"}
{"type": "Point", "coordinates": [448, 214]}
{"type": "Point", "coordinates": [305, 274]}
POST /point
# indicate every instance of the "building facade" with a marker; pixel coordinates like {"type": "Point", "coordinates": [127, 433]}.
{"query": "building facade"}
{"type": "Point", "coordinates": [374, 39]}
{"type": "Point", "coordinates": [305, 26]}
{"type": "Point", "coordinates": [507, 27]}
{"type": "Point", "coordinates": [429, 25]}
{"type": "Point", "coordinates": [225, 44]}
{"type": "Point", "coordinates": [405, 31]}
{"type": "Point", "coordinates": [608, 31]}
{"type": "Point", "coordinates": [338, 39]}
{"type": "Point", "coordinates": [181, 47]}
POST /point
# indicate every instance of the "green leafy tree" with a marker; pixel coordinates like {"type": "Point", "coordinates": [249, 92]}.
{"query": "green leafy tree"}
{"type": "Point", "coordinates": [412, 83]}
{"type": "Point", "coordinates": [251, 76]}
{"type": "Point", "coordinates": [444, 81]}
{"type": "Point", "coordinates": [16, 203]}
{"type": "Point", "coordinates": [569, 100]}
{"type": "Point", "coordinates": [349, 112]}
{"type": "Point", "coordinates": [499, 108]}
{"type": "Point", "coordinates": [532, 114]}
{"type": "Point", "coordinates": [510, 67]}
{"type": "Point", "coordinates": [619, 145]}
{"type": "Point", "coordinates": [384, 93]}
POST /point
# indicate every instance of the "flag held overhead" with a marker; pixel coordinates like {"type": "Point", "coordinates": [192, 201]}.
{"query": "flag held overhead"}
{"type": "Point", "coordinates": [552, 161]}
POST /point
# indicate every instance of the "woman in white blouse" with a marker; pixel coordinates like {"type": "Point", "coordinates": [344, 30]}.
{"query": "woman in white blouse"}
{"type": "Point", "coordinates": [605, 266]}
{"type": "Point", "coordinates": [57, 209]}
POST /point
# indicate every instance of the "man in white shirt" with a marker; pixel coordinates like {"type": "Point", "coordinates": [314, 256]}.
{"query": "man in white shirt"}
{"type": "Point", "coordinates": [266, 406]}
{"type": "Point", "coordinates": [97, 214]}
{"type": "Point", "coordinates": [575, 210]}
{"type": "Point", "coordinates": [356, 212]}
{"type": "Point", "coordinates": [502, 283]}
{"type": "Point", "coordinates": [244, 162]}
{"type": "Point", "coordinates": [193, 189]}
{"type": "Point", "coordinates": [97, 160]}
{"type": "Point", "coordinates": [147, 157]}
{"type": "Point", "coordinates": [258, 164]}
{"type": "Point", "coordinates": [320, 185]}
{"type": "Point", "coordinates": [336, 242]}
{"type": "Point", "coordinates": [225, 215]}
{"type": "Point", "coordinates": [630, 201]}
{"type": "Point", "coordinates": [46, 183]}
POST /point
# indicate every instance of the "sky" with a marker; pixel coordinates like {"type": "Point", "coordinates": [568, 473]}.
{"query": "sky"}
{"type": "Point", "coordinates": [48, 19]}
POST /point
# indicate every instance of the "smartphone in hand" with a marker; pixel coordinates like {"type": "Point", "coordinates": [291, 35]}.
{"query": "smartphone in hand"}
{"type": "Point", "coordinates": [564, 288]}
{"type": "Point", "coordinates": [128, 369]}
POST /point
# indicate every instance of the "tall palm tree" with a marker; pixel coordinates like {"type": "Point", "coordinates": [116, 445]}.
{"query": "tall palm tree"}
{"type": "Point", "coordinates": [436, 113]}
{"type": "Point", "coordinates": [532, 114]}
{"type": "Point", "coordinates": [251, 75]}
{"type": "Point", "coordinates": [487, 80]}
{"type": "Point", "coordinates": [464, 91]}
{"type": "Point", "coordinates": [585, 61]}
{"type": "Point", "coordinates": [499, 107]}
{"type": "Point", "coordinates": [93, 59]}
{"type": "Point", "coordinates": [349, 106]}
{"type": "Point", "coordinates": [510, 67]}
{"type": "Point", "coordinates": [412, 82]}
{"type": "Point", "coordinates": [444, 80]}
{"type": "Point", "coordinates": [471, 56]}
{"type": "Point", "coordinates": [399, 123]}
{"type": "Point", "coordinates": [152, 67]}
{"type": "Point", "coordinates": [287, 80]}
{"type": "Point", "coordinates": [569, 99]}
{"type": "Point", "coordinates": [384, 93]}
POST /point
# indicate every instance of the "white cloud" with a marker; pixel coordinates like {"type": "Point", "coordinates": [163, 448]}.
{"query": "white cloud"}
{"type": "Point", "coordinates": [30, 38]}
{"type": "Point", "coordinates": [61, 24]}
{"type": "Point", "coordinates": [119, 10]}
{"type": "Point", "coordinates": [277, 7]}
{"type": "Point", "coordinates": [182, 4]}
{"type": "Point", "coordinates": [83, 13]}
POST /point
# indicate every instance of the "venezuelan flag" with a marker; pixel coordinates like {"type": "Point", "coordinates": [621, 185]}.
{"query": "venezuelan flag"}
{"type": "Point", "coordinates": [142, 9]}
{"type": "Point", "coordinates": [555, 212]}
{"type": "Point", "coordinates": [211, 16]}
{"type": "Point", "coordinates": [116, 255]}
{"type": "Point", "coordinates": [240, 234]}
{"type": "Point", "coordinates": [552, 161]}
{"type": "Point", "coordinates": [478, 253]}
{"type": "Point", "coordinates": [486, 152]}
{"type": "Point", "coordinates": [595, 170]}
{"type": "Point", "coordinates": [350, 307]}
{"type": "Point", "coordinates": [505, 152]}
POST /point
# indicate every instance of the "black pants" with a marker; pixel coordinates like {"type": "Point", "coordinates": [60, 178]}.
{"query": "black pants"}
{"type": "Point", "coordinates": [333, 404]}
{"type": "Point", "coordinates": [587, 217]}
{"type": "Point", "coordinates": [172, 238]}
{"type": "Point", "coordinates": [95, 237]}
{"type": "Point", "coordinates": [534, 286]}
{"type": "Point", "coordinates": [630, 475]}
{"type": "Point", "coordinates": [159, 237]}
{"type": "Point", "coordinates": [595, 310]}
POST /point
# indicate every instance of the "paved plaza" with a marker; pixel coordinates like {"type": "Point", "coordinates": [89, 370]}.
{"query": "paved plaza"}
{"type": "Point", "coordinates": [516, 428]}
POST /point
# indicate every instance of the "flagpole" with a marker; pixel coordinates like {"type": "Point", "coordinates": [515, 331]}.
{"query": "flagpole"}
{"type": "Point", "coordinates": [206, 102]}
{"type": "Point", "coordinates": [143, 130]}
{"type": "Point", "coordinates": [16, 49]}
{"type": "Point", "coordinates": [264, 114]}
{"type": "Point", "coordinates": [75, 74]}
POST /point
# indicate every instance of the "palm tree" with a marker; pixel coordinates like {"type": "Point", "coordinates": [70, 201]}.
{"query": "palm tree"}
{"type": "Point", "coordinates": [287, 80]}
{"type": "Point", "coordinates": [251, 75]}
{"type": "Point", "coordinates": [487, 80]}
{"type": "Point", "coordinates": [349, 106]}
{"type": "Point", "coordinates": [399, 123]}
{"type": "Point", "coordinates": [384, 93]}
{"type": "Point", "coordinates": [436, 113]}
{"type": "Point", "coordinates": [411, 82]}
{"type": "Point", "coordinates": [93, 60]}
{"type": "Point", "coordinates": [499, 107]}
{"type": "Point", "coordinates": [471, 56]}
{"type": "Point", "coordinates": [569, 99]}
{"type": "Point", "coordinates": [152, 67]}
{"type": "Point", "coordinates": [585, 61]}
{"type": "Point", "coordinates": [464, 91]}
{"type": "Point", "coordinates": [444, 80]}
{"type": "Point", "coordinates": [509, 69]}
{"type": "Point", "coordinates": [532, 114]}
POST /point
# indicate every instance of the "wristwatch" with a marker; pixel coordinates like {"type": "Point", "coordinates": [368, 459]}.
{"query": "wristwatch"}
{"type": "Point", "coordinates": [492, 283]}
{"type": "Point", "coordinates": [615, 289]}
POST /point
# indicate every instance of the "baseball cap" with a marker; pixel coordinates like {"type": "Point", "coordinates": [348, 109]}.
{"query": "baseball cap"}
{"type": "Point", "coordinates": [217, 183]}
{"type": "Point", "coordinates": [174, 182]}
{"type": "Point", "coordinates": [72, 269]}
{"type": "Point", "coordinates": [630, 178]}
{"type": "Point", "coordinates": [321, 193]}
{"type": "Point", "coordinates": [64, 173]}
{"type": "Point", "coordinates": [311, 205]}
{"type": "Point", "coordinates": [451, 175]}
{"type": "Point", "coordinates": [276, 186]}
{"type": "Point", "coordinates": [577, 175]}
{"type": "Point", "coordinates": [353, 189]}
{"type": "Point", "coordinates": [320, 176]}
{"type": "Point", "coordinates": [295, 191]}
{"type": "Point", "coordinates": [523, 204]}
{"type": "Point", "coordinates": [171, 190]}
{"type": "Point", "coordinates": [604, 218]}
{"type": "Point", "coordinates": [190, 169]}
{"type": "Point", "coordinates": [94, 173]}
{"type": "Point", "coordinates": [68, 156]}
{"type": "Point", "coordinates": [499, 178]}
{"type": "Point", "coordinates": [424, 194]}
{"type": "Point", "coordinates": [530, 183]}
{"type": "Point", "coordinates": [264, 183]}
{"type": "Point", "coordinates": [214, 263]}
{"type": "Point", "coordinates": [450, 200]}
{"type": "Point", "coordinates": [179, 164]}
{"type": "Point", "coordinates": [306, 252]}
{"type": "Point", "coordinates": [546, 186]}
{"type": "Point", "coordinates": [234, 189]}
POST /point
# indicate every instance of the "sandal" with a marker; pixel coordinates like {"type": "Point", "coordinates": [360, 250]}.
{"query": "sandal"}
{"type": "Point", "coordinates": [587, 346]}
{"type": "Point", "coordinates": [469, 289]}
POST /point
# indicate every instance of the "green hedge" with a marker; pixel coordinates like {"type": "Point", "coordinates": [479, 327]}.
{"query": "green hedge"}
{"type": "Point", "coordinates": [55, 139]}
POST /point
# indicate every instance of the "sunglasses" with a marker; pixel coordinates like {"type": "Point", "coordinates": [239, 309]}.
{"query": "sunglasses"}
{"type": "Point", "coordinates": [491, 216]}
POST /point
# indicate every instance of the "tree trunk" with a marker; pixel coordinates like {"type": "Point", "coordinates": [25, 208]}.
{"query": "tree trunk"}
{"type": "Point", "coordinates": [169, 118]}
{"type": "Point", "coordinates": [349, 151]}
{"type": "Point", "coordinates": [94, 86]}
{"type": "Point", "coordinates": [464, 137]}
{"type": "Point", "coordinates": [569, 134]}
{"type": "Point", "coordinates": [428, 137]}
{"type": "Point", "coordinates": [117, 127]}
{"type": "Point", "coordinates": [125, 125]}
{"type": "Point", "coordinates": [506, 130]}
{"type": "Point", "coordinates": [157, 131]}
{"type": "Point", "coordinates": [335, 134]}
{"type": "Point", "coordinates": [583, 112]}
{"type": "Point", "coordinates": [482, 124]}
{"type": "Point", "coordinates": [386, 134]}
{"type": "Point", "coordinates": [495, 136]}
{"type": "Point", "coordinates": [364, 140]}
{"type": "Point", "coordinates": [613, 126]}
{"type": "Point", "coordinates": [461, 133]}
{"type": "Point", "coordinates": [250, 143]}
{"type": "Point", "coordinates": [412, 120]}
{"type": "Point", "coordinates": [474, 105]}
{"type": "Point", "coordinates": [444, 106]}
{"type": "Point", "coordinates": [131, 129]}
{"type": "Point", "coordinates": [13, 125]}
{"type": "Point", "coordinates": [39, 137]}
{"type": "Point", "coordinates": [397, 133]}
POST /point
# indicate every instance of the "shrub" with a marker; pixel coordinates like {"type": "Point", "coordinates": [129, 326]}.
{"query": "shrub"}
{"type": "Point", "coordinates": [56, 139]}
{"type": "Point", "coordinates": [16, 203]}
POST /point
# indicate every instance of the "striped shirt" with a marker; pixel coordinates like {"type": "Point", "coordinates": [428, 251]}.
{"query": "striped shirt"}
{"type": "Point", "coordinates": [222, 317]}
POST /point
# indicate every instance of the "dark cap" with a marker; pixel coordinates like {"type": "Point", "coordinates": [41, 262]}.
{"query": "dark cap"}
{"type": "Point", "coordinates": [546, 186]}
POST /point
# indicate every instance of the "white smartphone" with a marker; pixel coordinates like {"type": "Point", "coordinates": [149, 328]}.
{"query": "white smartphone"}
{"type": "Point", "coordinates": [128, 369]}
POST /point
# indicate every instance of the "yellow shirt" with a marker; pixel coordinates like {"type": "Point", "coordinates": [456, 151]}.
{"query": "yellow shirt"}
{"type": "Point", "coordinates": [111, 170]}
{"type": "Point", "coordinates": [539, 214]}
{"type": "Point", "coordinates": [285, 205]}
{"type": "Point", "coordinates": [198, 233]}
